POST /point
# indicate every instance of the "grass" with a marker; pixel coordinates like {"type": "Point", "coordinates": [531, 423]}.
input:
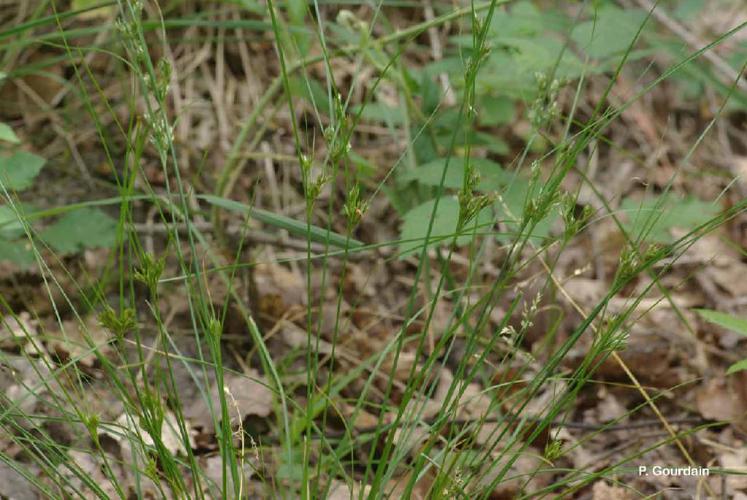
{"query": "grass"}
{"type": "Point", "coordinates": [497, 403]}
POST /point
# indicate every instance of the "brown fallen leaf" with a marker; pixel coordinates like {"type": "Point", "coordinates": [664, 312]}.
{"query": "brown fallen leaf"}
{"type": "Point", "coordinates": [25, 380]}
{"type": "Point", "coordinates": [717, 399]}
{"type": "Point", "coordinates": [735, 460]}
{"type": "Point", "coordinates": [245, 395]}
{"type": "Point", "coordinates": [89, 466]}
{"type": "Point", "coordinates": [364, 420]}
{"type": "Point", "coordinates": [15, 486]}
{"type": "Point", "coordinates": [343, 491]}
{"type": "Point", "coordinates": [127, 429]}
{"type": "Point", "coordinates": [213, 467]}
{"type": "Point", "coordinates": [603, 491]}
{"type": "Point", "coordinates": [396, 486]}
{"type": "Point", "coordinates": [26, 95]}
{"type": "Point", "coordinates": [525, 466]}
{"type": "Point", "coordinates": [19, 331]}
{"type": "Point", "coordinates": [586, 292]}
{"type": "Point", "coordinates": [82, 343]}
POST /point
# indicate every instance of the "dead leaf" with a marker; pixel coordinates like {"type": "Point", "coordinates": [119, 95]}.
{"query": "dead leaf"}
{"type": "Point", "coordinates": [585, 291]}
{"type": "Point", "coordinates": [396, 487]}
{"type": "Point", "coordinates": [474, 403]}
{"type": "Point", "coordinates": [25, 95]}
{"type": "Point", "coordinates": [274, 279]}
{"type": "Point", "coordinates": [364, 420]}
{"type": "Point", "coordinates": [126, 430]}
{"type": "Point", "coordinates": [411, 436]}
{"type": "Point", "coordinates": [80, 342]}
{"type": "Point", "coordinates": [343, 491]}
{"type": "Point", "coordinates": [24, 380]}
{"type": "Point", "coordinates": [213, 467]}
{"type": "Point", "coordinates": [89, 466]}
{"type": "Point", "coordinates": [19, 330]}
{"type": "Point", "coordinates": [525, 466]}
{"type": "Point", "coordinates": [740, 169]}
{"type": "Point", "coordinates": [735, 460]}
{"type": "Point", "coordinates": [717, 401]}
{"type": "Point", "coordinates": [13, 485]}
{"type": "Point", "coordinates": [603, 491]}
{"type": "Point", "coordinates": [245, 395]}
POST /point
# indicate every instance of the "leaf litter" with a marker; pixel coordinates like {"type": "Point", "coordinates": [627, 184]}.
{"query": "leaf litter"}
{"type": "Point", "coordinates": [669, 348]}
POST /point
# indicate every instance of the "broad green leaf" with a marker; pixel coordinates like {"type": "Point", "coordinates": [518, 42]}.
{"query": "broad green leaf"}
{"type": "Point", "coordinates": [492, 143]}
{"type": "Point", "coordinates": [736, 367]}
{"type": "Point", "coordinates": [542, 54]}
{"type": "Point", "coordinates": [18, 252]}
{"type": "Point", "coordinates": [10, 227]}
{"type": "Point", "coordinates": [511, 211]}
{"type": "Point", "coordinates": [492, 175]}
{"type": "Point", "coordinates": [18, 171]}
{"type": "Point", "coordinates": [496, 110]}
{"type": "Point", "coordinates": [7, 134]}
{"type": "Point", "coordinates": [610, 33]}
{"type": "Point", "coordinates": [654, 219]}
{"type": "Point", "coordinates": [454, 65]}
{"type": "Point", "coordinates": [313, 91]}
{"type": "Point", "coordinates": [416, 221]}
{"type": "Point", "coordinates": [724, 320]}
{"type": "Point", "coordinates": [523, 19]}
{"type": "Point", "coordinates": [80, 229]}
{"type": "Point", "coordinates": [379, 112]}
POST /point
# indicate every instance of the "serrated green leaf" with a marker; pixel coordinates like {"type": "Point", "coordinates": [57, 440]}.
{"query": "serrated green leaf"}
{"type": "Point", "coordinates": [81, 229]}
{"type": "Point", "coordinates": [18, 171]}
{"type": "Point", "coordinates": [724, 320]}
{"type": "Point", "coordinates": [736, 367]}
{"type": "Point", "coordinates": [17, 252]}
{"type": "Point", "coordinates": [654, 219]}
{"type": "Point", "coordinates": [7, 134]}
{"type": "Point", "coordinates": [416, 221]}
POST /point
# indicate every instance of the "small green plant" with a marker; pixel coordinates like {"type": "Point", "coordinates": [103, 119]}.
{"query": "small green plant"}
{"type": "Point", "coordinates": [731, 323]}
{"type": "Point", "coordinates": [75, 230]}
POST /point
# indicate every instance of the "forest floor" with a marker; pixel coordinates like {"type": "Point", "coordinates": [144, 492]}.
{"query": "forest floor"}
{"type": "Point", "coordinates": [298, 286]}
